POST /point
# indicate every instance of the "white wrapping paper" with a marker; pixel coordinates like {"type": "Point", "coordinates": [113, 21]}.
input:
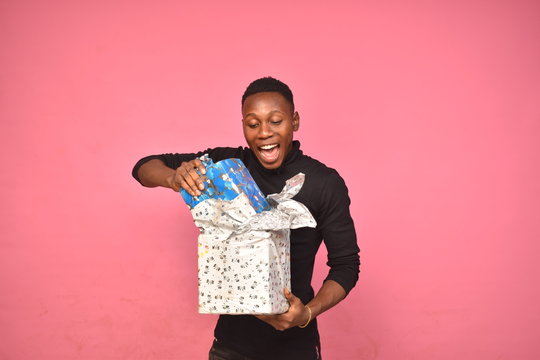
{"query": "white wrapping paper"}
{"type": "Point", "coordinates": [244, 257]}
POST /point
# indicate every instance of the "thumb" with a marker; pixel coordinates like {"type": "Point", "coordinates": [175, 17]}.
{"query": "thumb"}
{"type": "Point", "coordinates": [289, 295]}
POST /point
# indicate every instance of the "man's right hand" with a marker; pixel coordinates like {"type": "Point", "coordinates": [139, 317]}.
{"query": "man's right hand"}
{"type": "Point", "coordinates": [187, 177]}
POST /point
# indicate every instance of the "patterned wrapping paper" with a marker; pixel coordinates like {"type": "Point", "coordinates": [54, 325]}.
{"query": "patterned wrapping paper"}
{"type": "Point", "coordinates": [244, 255]}
{"type": "Point", "coordinates": [225, 180]}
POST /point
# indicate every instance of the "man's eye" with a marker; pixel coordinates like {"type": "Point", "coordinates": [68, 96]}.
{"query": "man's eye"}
{"type": "Point", "coordinates": [276, 122]}
{"type": "Point", "coordinates": [253, 126]}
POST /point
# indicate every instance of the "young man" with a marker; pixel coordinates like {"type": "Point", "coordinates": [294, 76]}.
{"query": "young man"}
{"type": "Point", "coordinates": [269, 120]}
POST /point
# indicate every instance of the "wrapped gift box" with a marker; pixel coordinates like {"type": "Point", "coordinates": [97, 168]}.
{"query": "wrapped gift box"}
{"type": "Point", "coordinates": [244, 248]}
{"type": "Point", "coordinates": [225, 180]}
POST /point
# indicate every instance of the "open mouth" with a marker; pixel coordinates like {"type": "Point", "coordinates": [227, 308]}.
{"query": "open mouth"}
{"type": "Point", "coordinates": [269, 153]}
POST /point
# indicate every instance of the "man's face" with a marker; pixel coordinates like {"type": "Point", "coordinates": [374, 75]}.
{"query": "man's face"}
{"type": "Point", "coordinates": [269, 122]}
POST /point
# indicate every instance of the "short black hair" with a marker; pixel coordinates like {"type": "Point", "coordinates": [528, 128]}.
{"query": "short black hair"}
{"type": "Point", "coordinates": [269, 84]}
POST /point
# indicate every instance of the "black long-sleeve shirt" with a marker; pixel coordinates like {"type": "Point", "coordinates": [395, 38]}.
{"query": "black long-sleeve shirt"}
{"type": "Point", "coordinates": [325, 195]}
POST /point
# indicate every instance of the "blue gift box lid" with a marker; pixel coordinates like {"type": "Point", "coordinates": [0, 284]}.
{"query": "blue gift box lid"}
{"type": "Point", "coordinates": [225, 180]}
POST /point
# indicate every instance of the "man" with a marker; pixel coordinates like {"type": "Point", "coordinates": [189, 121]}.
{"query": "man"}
{"type": "Point", "coordinates": [269, 120]}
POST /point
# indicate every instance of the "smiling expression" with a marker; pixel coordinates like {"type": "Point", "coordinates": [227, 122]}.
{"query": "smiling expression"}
{"type": "Point", "coordinates": [269, 121]}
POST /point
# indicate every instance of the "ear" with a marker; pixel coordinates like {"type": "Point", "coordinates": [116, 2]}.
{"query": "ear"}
{"type": "Point", "coordinates": [296, 121]}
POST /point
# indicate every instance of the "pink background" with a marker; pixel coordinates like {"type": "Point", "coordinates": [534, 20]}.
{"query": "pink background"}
{"type": "Point", "coordinates": [430, 111]}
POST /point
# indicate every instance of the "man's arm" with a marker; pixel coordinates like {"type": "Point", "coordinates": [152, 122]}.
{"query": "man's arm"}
{"type": "Point", "coordinates": [329, 295]}
{"type": "Point", "coordinates": [337, 228]}
{"type": "Point", "coordinates": [157, 170]}
{"type": "Point", "coordinates": [155, 173]}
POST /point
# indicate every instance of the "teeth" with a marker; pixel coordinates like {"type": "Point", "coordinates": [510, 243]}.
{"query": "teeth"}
{"type": "Point", "coordinates": [268, 147]}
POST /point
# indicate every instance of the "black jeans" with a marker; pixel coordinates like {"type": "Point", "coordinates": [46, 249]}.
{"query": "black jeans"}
{"type": "Point", "coordinates": [220, 351]}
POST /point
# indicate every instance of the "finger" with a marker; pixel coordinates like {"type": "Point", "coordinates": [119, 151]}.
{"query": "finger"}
{"type": "Point", "coordinates": [289, 296]}
{"type": "Point", "coordinates": [273, 321]}
{"type": "Point", "coordinates": [287, 293]}
{"type": "Point", "coordinates": [186, 182]}
{"type": "Point", "coordinates": [184, 185]}
{"type": "Point", "coordinates": [262, 317]}
{"type": "Point", "coordinates": [196, 180]}
{"type": "Point", "coordinates": [199, 165]}
{"type": "Point", "coordinates": [195, 168]}
{"type": "Point", "coordinates": [269, 319]}
{"type": "Point", "coordinates": [189, 175]}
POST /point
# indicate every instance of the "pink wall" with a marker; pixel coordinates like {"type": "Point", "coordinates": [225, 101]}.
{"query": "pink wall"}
{"type": "Point", "coordinates": [429, 111]}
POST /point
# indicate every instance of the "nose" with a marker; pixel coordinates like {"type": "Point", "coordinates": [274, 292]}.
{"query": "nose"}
{"type": "Point", "coordinates": [265, 131]}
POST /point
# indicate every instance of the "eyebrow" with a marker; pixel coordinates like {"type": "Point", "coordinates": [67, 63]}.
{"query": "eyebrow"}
{"type": "Point", "coordinates": [271, 112]}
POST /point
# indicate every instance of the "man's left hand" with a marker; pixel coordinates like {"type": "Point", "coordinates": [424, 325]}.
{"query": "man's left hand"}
{"type": "Point", "coordinates": [296, 315]}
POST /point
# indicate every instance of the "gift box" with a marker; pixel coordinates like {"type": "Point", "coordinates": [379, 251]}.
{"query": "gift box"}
{"type": "Point", "coordinates": [244, 240]}
{"type": "Point", "coordinates": [225, 180]}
